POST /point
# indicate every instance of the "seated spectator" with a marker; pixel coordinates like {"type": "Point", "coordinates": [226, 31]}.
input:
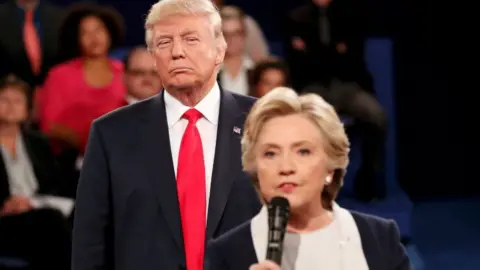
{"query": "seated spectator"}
{"type": "Point", "coordinates": [29, 179]}
{"type": "Point", "coordinates": [268, 74]}
{"type": "Point", "coordinates": [234, 73]}
{"type": "Point", "coordinates": [256, 44]}
{"type": "Point", "coordinates": [89, 84]}
{"type": "Point", "coordinates": [141, 76]}
{"type": "Point", "coordinates": [325, 51]}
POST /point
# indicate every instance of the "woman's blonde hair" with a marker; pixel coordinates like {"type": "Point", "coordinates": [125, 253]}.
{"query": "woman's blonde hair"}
{"type": "Point", "coordinates": [166, 8]}
{"type": "Point", "coordinates": [233, 13]}
{"type": "Point", "coordinates": [283, 101]}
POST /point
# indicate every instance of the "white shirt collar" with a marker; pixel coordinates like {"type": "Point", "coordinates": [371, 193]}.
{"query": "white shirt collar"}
{"type": "Point", "coordinates": [209, 106]}
{"type": "Point", "coordinates": [131, 100]}
{"type": "Point", "coordinates": [247, 63]}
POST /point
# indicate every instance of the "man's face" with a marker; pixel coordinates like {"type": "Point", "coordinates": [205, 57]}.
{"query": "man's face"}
{"type": "Point", "coordinates": [13, 106]}
{"type": "Point", "coordinates": [186, 51]}
{"type": "Point", "coordinates": [141, 76]}
{"type": "Point", "coordinates": [234, 33]}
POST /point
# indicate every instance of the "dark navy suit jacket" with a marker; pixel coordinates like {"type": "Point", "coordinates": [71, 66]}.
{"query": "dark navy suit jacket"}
{"type": "Point", "coordinates": [127, 214]}
{"type": "Point", "coordinates": [380, 242]}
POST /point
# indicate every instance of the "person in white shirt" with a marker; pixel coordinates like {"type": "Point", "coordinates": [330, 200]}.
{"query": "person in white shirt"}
{"type": "Point", "coordinates": [295, 147]}
{"type": "Point", "coordinates": [235, 72]}
{"type": "Point", "coordinates": [30, 185]}
{"type": "Point", "coordinates": [257, 45]}
{"type": "Point", "coordinates": [164, 175]}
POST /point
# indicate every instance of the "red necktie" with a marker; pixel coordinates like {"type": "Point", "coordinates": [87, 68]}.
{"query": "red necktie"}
{"type": "Point", "coordinates": [32, 42]}
{"type": "Point", "coordinates": [191, 192]}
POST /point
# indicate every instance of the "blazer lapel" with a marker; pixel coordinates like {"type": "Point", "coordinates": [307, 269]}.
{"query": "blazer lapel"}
{"type": "Point", "coordinates": [4, 185]}
{"type": "Point", "coordinates": [368, 241]}
{"type": "Point", "coordinates": [227, 153]}
{"type": "Point", "coordinates": [155, 143]}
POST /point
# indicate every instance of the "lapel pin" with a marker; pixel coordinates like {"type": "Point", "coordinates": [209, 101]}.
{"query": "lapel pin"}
{"type": "Point", "coordinates": [237, 130]}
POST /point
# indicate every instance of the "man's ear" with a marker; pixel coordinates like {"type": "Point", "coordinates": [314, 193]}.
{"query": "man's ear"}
{"type": "Point", "coordinates": [221, 49]}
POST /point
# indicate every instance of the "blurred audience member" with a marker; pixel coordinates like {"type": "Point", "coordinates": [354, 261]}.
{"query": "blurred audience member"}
{"type": "Point", "coordinates": [89, 84]}
{"type": "Point", "coordinates": [256, 43]}
{"type": "Point", "coordinates": [28, 39]}
{"type": "Point", "coordinates": [234, 72]}
{"type": "Point", "coordinates": [370, 123]}
{"type": "Point", "coordinates": [326, 41]}
{"type": "Point", "coordinates": [141, 76]}
{"type": "Point", "coordinates": [27, 172]}
{"type": "Point", "coordinates": [326, 48]}
{"type": "Point", "coordinates": [268, 74]}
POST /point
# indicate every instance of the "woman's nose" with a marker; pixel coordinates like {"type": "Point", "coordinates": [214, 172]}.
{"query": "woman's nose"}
{"type": "Point", "coordinates": [287, 165]}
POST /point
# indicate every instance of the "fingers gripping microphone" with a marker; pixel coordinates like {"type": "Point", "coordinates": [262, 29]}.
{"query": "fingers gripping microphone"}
{"type": "Point", "coordinates": [278, 213]}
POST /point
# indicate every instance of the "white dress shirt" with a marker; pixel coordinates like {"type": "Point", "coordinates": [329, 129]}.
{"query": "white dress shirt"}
{"type": "Point", "coordinates": [21, 176]}
{"type": "Point", "coordinates": [23, 182]}
{"type": "Point", "coordinates": [240, 83]}
{"type": "Point", "coordinates": [207, 126]}
{"type": "Point", "coordinates": [131, 100]}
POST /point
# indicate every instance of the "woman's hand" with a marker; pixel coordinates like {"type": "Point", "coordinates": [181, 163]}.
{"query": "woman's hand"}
{"type": "Point", "coordinates": [265, 265]}
{"type": "Point", "coordinates": [16, 205]}
{"type": "Point", "coordinates": [64, 134]}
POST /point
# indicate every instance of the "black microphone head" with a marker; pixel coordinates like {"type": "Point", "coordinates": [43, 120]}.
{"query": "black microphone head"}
{"type": "Point", "coordinates": [278, 211]}
{"type": "Point", "coordinates": [280, 202]}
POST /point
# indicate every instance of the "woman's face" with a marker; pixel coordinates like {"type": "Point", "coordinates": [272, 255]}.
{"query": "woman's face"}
{"type": "Point", "coordinates": [94, 37]}
{"type": "Point", "coordinates": [13, 106]}
{"type": "Point", "coordinates": [291, 161]}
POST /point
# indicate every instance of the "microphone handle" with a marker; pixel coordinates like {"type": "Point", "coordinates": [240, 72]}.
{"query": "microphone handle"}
{"type": "Point", "coordinates": [275, 255]}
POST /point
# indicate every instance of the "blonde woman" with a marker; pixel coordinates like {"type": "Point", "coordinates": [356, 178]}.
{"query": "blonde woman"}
{"type": "Point", "coordinates": [295, 147]}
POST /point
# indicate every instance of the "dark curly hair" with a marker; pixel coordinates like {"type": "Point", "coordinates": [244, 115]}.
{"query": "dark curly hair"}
{"type": "Point", "coordinates": [264, 65]}
{"type": "Point", "coordinates": [70, 28]}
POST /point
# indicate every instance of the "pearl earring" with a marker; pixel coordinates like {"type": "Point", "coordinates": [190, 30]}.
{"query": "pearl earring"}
{"type": "Point", "coordinates": [328, 180]}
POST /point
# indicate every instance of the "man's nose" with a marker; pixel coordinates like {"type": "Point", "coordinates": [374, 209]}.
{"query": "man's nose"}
{"type": "Point", "coordinates": [177, 49]}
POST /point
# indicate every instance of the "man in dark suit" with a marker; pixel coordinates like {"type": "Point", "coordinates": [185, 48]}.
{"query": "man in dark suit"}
{"type": "Point", "coordinates": [28, 44]}
{"type": "Point", "coordinates": [325, 51]}
{"type": "Point", "coordinates": [156, 183]}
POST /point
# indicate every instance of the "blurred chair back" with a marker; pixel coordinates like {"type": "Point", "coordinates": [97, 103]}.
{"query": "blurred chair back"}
{"type": "Point", "coordinates": [379, 60]}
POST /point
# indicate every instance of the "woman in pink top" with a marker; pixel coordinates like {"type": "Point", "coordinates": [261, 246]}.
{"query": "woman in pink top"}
{"type": "Point", "coordinates": [89, 84]}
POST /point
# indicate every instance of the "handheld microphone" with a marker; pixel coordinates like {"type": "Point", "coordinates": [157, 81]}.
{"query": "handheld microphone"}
{"type": "Point", "coordinates": [278, 213]}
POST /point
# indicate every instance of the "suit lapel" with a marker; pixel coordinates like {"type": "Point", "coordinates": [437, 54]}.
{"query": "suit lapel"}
{"type": "Point", "coordinates": [4, 185]}
{"type": "Point", "coordinates": [227, 155]}
{"type": "Point", "coordinates": [15, 30]}
{"type": "Point", "coordinates": [155, 143]}
{"type": "Point", "coordinates": [49, 32]}
{"type": "Point", "coordinates": [368, 243]}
